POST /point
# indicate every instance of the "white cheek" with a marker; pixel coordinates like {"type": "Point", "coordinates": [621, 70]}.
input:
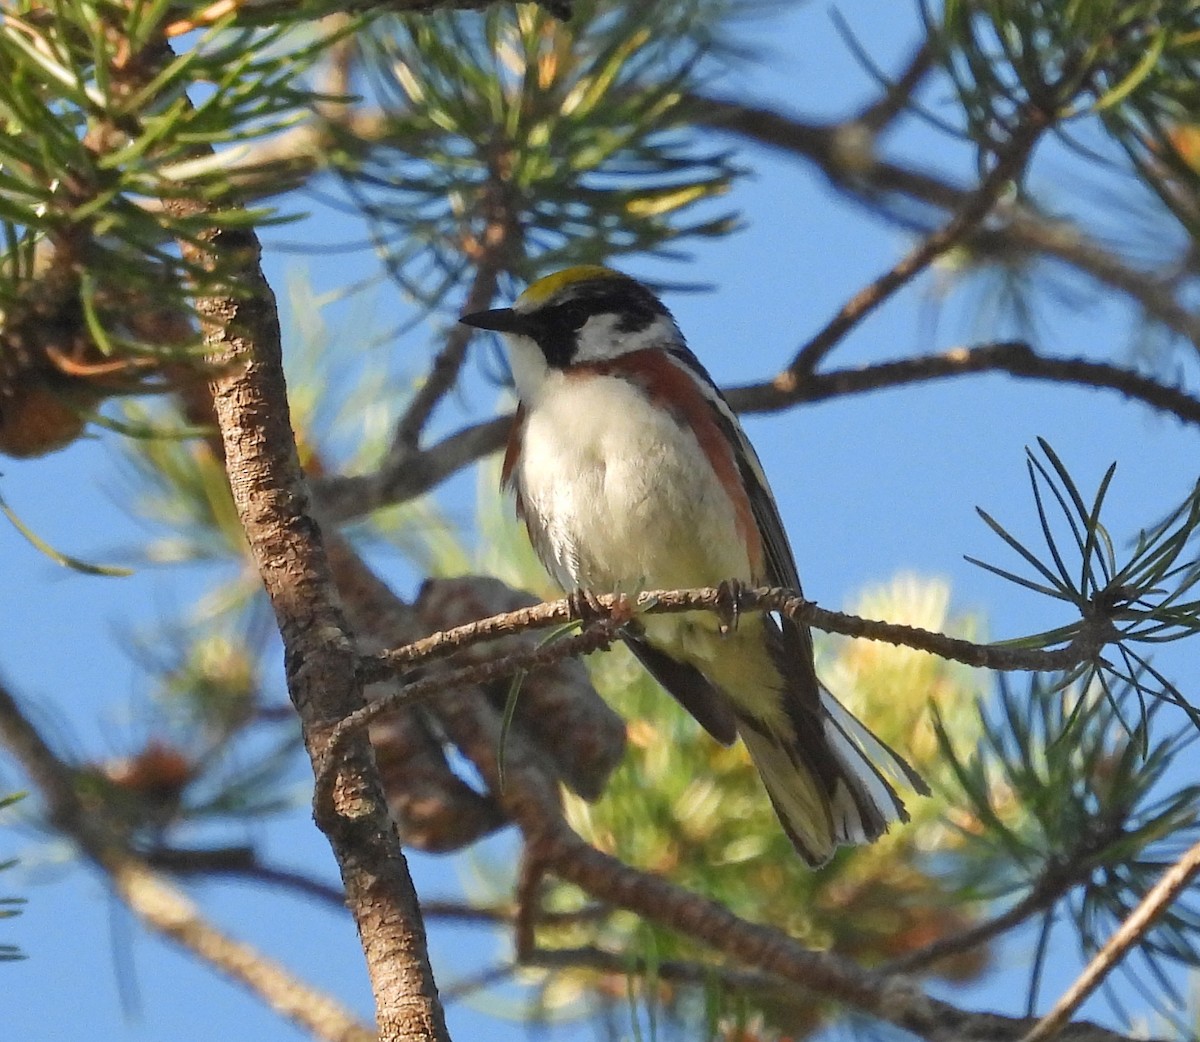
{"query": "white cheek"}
{"type": "Point", "coordinates": [600, 340]}
{"type": "Point", "coordinates": [528, 366]}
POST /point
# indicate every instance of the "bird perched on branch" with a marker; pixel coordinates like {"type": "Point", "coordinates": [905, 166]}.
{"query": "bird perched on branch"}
{"type": "Point", "coordinates": [632, 472]}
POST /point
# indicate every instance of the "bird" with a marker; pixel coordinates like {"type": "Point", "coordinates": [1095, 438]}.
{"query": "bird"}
{"type": "Point", "coordinates": [631, 472]}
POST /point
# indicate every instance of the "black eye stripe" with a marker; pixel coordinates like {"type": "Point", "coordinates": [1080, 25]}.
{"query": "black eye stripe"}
{"type": "Point", "coordinates": [571, 315]}
{"type": "Point", "coordinates": [555, 326]}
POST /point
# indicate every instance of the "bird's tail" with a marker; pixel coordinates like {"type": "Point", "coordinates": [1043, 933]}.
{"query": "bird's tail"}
{"type": "Point", "coordinates": [829, 789]}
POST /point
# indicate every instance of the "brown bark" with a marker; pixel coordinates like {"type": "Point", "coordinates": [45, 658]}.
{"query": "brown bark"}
{"type": "Point", "coordinates": [271, 495]}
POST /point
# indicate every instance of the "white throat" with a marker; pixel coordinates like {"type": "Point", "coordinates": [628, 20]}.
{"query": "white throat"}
{"type": "Point", "coordinates": [529, 368]}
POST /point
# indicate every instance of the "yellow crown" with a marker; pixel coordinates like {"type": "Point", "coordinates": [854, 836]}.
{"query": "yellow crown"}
{"type": "Point", "coordinates": [541, 291]}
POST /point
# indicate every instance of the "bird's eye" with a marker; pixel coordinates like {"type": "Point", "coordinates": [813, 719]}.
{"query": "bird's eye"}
{"type": "Point", "coordinates": [573, 314]}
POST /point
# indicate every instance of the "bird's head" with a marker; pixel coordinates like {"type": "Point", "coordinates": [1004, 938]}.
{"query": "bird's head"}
{"type": "Point", "coordinates": [581, 315]}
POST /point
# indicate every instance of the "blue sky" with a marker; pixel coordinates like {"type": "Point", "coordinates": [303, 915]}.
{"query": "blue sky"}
{"type": "Point", "coordinates": [869, 487]}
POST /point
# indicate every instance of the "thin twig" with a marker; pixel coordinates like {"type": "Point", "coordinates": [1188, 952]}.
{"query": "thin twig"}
{"type": "Point", "coordinates": [243, 863]}
{"type": "Point", "coordinates": [737, 979]}
{"type": "Point", "coordinates": [879, 114]}
{"type": "Point", "coordinates": [1041, 896]}
{"type": "Point", "coordinates": [491, 251]}
{"type": "Point", "coordinates": [446, 365]}
{"type": "Point", "coordinates": [1007, 166]}
{"type": "Point", "coordinates": [342, 498]}
{"type": "Point", "coordinates": [1020, 229]}
{"type": "Point", "coordinates": [458, 990]}
{"type": "Point", "coordinates": [1173, 882]}
{"type": "Point", "coordinates": [1093, 634]}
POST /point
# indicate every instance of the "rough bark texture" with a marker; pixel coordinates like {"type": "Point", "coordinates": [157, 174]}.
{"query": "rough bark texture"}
{"type": "Point", "coordinates": [271, 495]}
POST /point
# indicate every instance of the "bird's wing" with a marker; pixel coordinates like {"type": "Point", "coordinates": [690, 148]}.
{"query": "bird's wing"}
{"type": "Point", "coordinates": [689, 687]}
{"type": "Point", "coordinates": [791, 642]}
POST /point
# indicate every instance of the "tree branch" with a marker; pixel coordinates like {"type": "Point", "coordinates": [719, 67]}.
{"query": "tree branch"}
{"type": "Point", "coordinates": [1019, 228]}
{"type": "Point", "coordinates": [242, 863]}
{"type": "Point", "coordinates": [1174, 881]}
{"type": "Point", "coordinates": [1055, 879]}
{"type": "Point", "coordinates": [1016, 358]}
{"type": "Point", "coordinates": [1093, 634]}
{"type": "Point", "coordinates": [975, 208]}
{"type": "Point", "coordinates": [269, 491]}
{"type": "Point", "coordinates": [155, 902]}
{"type": "Point", "coordinates": [342, 498]}
{"type": "Point", "coordinates": [444, 370]}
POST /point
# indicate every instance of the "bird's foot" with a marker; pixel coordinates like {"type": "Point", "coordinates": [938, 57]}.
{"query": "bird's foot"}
{"type": "Point", "coordinates": [587, 608]}
{"type": "Point", "coordinates": [729, 604]}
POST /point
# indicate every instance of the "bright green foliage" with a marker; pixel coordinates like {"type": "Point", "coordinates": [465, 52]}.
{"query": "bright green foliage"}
{"type": "Point", "coordinates": [105, 129]}
{"type": "Point", "coordinates": [1066, 801]}
{"type": "Point", "coordinates": [1070, 56]}
{"type": "Point", "coordinates": [1142, 591]}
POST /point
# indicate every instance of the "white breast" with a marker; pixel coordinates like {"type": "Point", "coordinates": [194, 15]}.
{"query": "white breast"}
{"type": "Point", "coordinates": [618, 494]}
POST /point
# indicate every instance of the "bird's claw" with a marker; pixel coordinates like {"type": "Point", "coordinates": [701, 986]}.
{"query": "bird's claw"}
{"type": "Point", "coordinates": [729, 605]}
{"type": "Point", "coordinates": [585, 606]}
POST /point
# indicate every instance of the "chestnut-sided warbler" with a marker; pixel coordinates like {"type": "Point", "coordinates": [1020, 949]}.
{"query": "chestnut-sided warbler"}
{"type": "Point", "coordinates": [631, 472]}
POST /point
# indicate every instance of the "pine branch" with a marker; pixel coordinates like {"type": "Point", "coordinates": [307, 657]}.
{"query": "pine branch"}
{"type": "Point", "coordinates": [243, 863]}
{"type": "Point", "coordinates": [1014, 357]}
{"type": "Point", "coordinates": [1008, 165]}
{"type": "Point", "coordinates": [155, 902]}
{"type": "Point", "coordinates": [1019, 229]}
{"type": "Point", "coordinates": [270, 494]}
{"type": "Point", "coordinates": [1055, 880]}
{"type": "Point", "coordinates": [1093, 634]}
{"type": "Point", "coordinates": [555, 848]}
{"type": "Point", "coordinates": [1175, 881]}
